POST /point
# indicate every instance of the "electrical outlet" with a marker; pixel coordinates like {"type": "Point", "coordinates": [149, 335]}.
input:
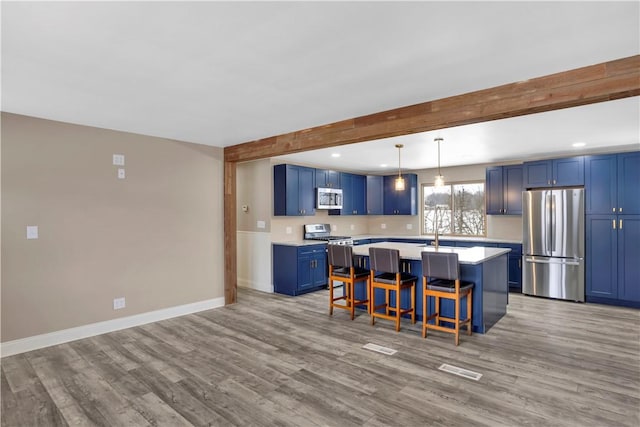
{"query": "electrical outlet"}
{"type": "Point", "coordinates": [261, 224]}
{"type": "Point", "coordinates": [118, 303]}
{"type": "Point", "coordinates": [409, 226]}
{"type": "Point", "coordinates": [352, 227]}
{"type": "Point", "coordinates": [288, 230]}
{"type": "Point", "coordinates": [120, 173]}
{"type": "Point", "coordinates": [383, 226]}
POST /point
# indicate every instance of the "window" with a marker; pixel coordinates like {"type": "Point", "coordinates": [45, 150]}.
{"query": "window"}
{"type": "Point", "coordinates": [459, 207]}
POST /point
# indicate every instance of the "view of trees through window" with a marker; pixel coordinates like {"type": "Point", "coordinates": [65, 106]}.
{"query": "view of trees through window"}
{"type": "Point", "coordinates": [459, 208]}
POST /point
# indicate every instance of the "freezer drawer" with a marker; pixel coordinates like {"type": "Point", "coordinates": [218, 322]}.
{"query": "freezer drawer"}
{"type": "Point", "coordinates": [561, 278]}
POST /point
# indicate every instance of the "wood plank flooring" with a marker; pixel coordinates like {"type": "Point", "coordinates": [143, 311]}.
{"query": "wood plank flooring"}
{"type": "Point", "coordinates": [272, 360]}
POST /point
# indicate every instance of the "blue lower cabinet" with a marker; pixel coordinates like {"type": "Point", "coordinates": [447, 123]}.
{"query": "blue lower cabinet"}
{"type": "Point", "coordinates": [515, 266]}
{"type": "Point", "coordinates": [299, 269]}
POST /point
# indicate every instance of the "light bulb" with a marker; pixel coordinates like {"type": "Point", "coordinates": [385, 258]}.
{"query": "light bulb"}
{"type": "Point", "coordinates": [399, 183]}
{"type": "Point", "coordinates": [439, 182]}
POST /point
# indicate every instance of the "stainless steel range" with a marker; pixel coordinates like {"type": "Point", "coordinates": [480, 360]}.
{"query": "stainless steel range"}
{"type": "Point", "coordinates": [322, 232]}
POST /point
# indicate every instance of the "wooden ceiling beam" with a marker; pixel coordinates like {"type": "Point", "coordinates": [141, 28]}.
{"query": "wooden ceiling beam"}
{"type": "Point", "coordinates": [581, 86]}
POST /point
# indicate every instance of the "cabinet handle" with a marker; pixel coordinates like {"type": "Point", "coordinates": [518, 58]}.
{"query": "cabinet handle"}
{"type": "Point", "coordinates": [620, 225]}
{"type": "Point", "coordinates": [613, 209]}
{"type": "Point", "coordinates": [619, 209]}
{"type": "Point", "coordinates": [548, 182]}
{"type": "Point", "coordinates": [614, 224]}
{"type": "Point", "coordinates": [519, 262]}
{"type": "Point", "coordinates": [554, 182]}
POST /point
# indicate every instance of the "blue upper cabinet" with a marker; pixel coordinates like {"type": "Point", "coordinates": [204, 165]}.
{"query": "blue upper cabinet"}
{"type": "Point", "coordinates": [354, 195]}
{"type": "Point", "coordinates": [401, 202]}
{"type": "Point", "coordinates": [503, 190]}
{"type": "Point", "coordinates": [293, 190]}
{"type": "Point", "coordinates": [494, 195]}
{"type": "Point", "coordinates": [629, 183]}
{"type": "Point", "coordinates": [600, 183]}
{"type": "Point", "coordinates": [326, 178]}
{"type": "Point", "coordinates": [375, 189]}
{"type": "Point", "coordinates": [612, 183]}
{"type": "Point", "coordinates": [554, 173]}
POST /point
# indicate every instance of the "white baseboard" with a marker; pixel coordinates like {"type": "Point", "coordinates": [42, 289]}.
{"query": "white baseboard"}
{"type": "Point", "coordinates": [23, 345]}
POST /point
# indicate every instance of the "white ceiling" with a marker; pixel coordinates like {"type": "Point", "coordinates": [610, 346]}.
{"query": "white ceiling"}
{"type": "Point", "coordinates": [223, 73]}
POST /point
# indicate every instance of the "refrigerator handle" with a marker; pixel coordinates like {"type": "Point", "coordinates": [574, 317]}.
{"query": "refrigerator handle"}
{"type": "Point", "coordinates": [553, 222]}
{"type": "Point", "coordinates": [547, 223]}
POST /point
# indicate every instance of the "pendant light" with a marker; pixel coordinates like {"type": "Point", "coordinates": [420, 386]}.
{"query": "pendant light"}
{"type": "Point", "coordinates": [439, 181]}
{"type": "Point", "coordinates": [399, 180]}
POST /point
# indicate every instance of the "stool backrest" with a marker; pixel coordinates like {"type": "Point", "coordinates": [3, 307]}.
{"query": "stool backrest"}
{"type": "Point", "coordinates": [384, 259]}
{"type": "Point", "coordinates": [440, 265]}
{"type": "Point", "coordinates": [340, 255]}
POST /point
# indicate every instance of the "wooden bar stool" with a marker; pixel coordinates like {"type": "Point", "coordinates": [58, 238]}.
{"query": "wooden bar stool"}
{"type": "Point", "coordinates": [441, 279]}
{"type": "Point", "coordinates": [386, 274]}
{"type": "Point", "coordinates": [341, 269]}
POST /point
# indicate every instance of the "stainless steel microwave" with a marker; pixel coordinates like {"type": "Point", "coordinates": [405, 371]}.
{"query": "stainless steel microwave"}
{"type": "Point", "coordinates": [329, 198]}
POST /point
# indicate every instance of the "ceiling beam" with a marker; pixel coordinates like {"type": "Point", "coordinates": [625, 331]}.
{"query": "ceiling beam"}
{"type": "Point", "coordinates": [581, 86]}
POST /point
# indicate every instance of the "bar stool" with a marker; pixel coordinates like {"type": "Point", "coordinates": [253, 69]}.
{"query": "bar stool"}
{"type": "Point", "coordinates": [341, 269]}
{"type": "Point", "coordinates": [386, 274]}
{"type": "Point", "coordinates": [441, 279]}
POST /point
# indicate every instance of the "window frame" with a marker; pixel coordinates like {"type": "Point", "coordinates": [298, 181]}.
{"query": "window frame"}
{"type": "Point", "coordinates": [451, 184]}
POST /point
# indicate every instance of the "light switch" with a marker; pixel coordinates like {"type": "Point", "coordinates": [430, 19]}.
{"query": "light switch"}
{"type": "Point", "coordinates": [245, 208]}
{"type": "Point", "coordinates": [288, 230]}
{"type": "Point", "coordinates": [261, 224]}
{"type": "Point", "coordinates": [32, 231]}
{"type": "Point", "coordinates": [121, 173]}
{"type": "Point", "coordinates": [118, 159]}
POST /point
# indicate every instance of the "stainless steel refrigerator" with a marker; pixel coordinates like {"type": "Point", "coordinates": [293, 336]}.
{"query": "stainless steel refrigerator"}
{"type": "Point", "coordinates": [553, 243]}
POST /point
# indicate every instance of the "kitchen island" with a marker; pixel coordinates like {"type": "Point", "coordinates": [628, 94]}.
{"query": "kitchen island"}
{"type": "Point", "coordinates": [486, 267]}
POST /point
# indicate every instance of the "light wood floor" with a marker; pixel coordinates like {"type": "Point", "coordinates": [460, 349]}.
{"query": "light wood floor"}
{"type": "Point", "coordinates": [273, 360]}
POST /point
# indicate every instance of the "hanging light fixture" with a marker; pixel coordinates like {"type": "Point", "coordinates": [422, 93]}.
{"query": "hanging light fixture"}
{"type": "Point", "coordinates": [399, 180]}
{"type": "Point", "coordinates": [439, 181]}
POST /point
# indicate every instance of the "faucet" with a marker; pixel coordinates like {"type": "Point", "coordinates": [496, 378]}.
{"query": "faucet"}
{"type": "Point", "coordinates": [436, 223]}
{"type": "Point", "coordinates": [436, 243]}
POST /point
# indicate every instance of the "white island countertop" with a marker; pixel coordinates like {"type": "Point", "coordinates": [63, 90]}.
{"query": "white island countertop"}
{"type": "Point", "coordinates": [473, 256]}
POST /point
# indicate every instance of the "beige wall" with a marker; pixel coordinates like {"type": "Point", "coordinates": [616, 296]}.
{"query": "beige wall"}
{"type": "Point", "coordinates": [254, 183]}
{"type": "Point", "coordinates": [154, 238]}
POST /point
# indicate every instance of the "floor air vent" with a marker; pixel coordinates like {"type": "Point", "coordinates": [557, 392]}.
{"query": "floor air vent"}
{"type": "Point", "coordinates": [384, 350]}
{"type": "Point", "coordinates": [461, 372]}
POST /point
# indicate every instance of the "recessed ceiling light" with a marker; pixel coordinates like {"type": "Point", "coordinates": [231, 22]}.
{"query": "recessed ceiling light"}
{"type": "Point", "coordinates": [383, 165]}
{"type": "Point", "coordinates": [579, 144]}
{"type": "Point", "coordinates": [335, 154]}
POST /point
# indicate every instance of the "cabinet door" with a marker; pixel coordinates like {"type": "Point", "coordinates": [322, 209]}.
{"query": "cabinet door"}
{"type": "Point", "coordinates": [375, 187]}
{"type": "Point", "coordinates": [359, 194]}
{"type": "Point", "coordinates": [629, 257]}
{"type": "Point", "coordinates": [401, 202]}
{"type": "Point", "coordinates": [537, 174]}
{"type": "Point", "coordinates": [512, 190]}
{"type": "Point", "coordinates": [390, 199]}
{"type": "Point", "coordinates": [568, 171]}
{"type": "Point", "coordinates": [305, 270]}
{"type": "Point", "coordinates": [327, 178]}
{"type": "Point", "coordinates": [493, 191]}
{"type": "Point", "coordinates": [346, 180]}
{"type": "Point", "coordinates": [601, 261]}
{"type": "Point", "coordinates": [320, 274]}
{"type": "Point", "coordinates": [600, 184]}
{"type": "Point", "coordinates": [306, 191]}
{"type": "Point", "coordinates": [629, 183]}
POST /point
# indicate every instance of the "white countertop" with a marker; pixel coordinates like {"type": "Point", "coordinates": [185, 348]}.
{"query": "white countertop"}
{"type": "Point", "coordinates": [473, 256]}
{"type": "Point", "coordinates": [432, 237]}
